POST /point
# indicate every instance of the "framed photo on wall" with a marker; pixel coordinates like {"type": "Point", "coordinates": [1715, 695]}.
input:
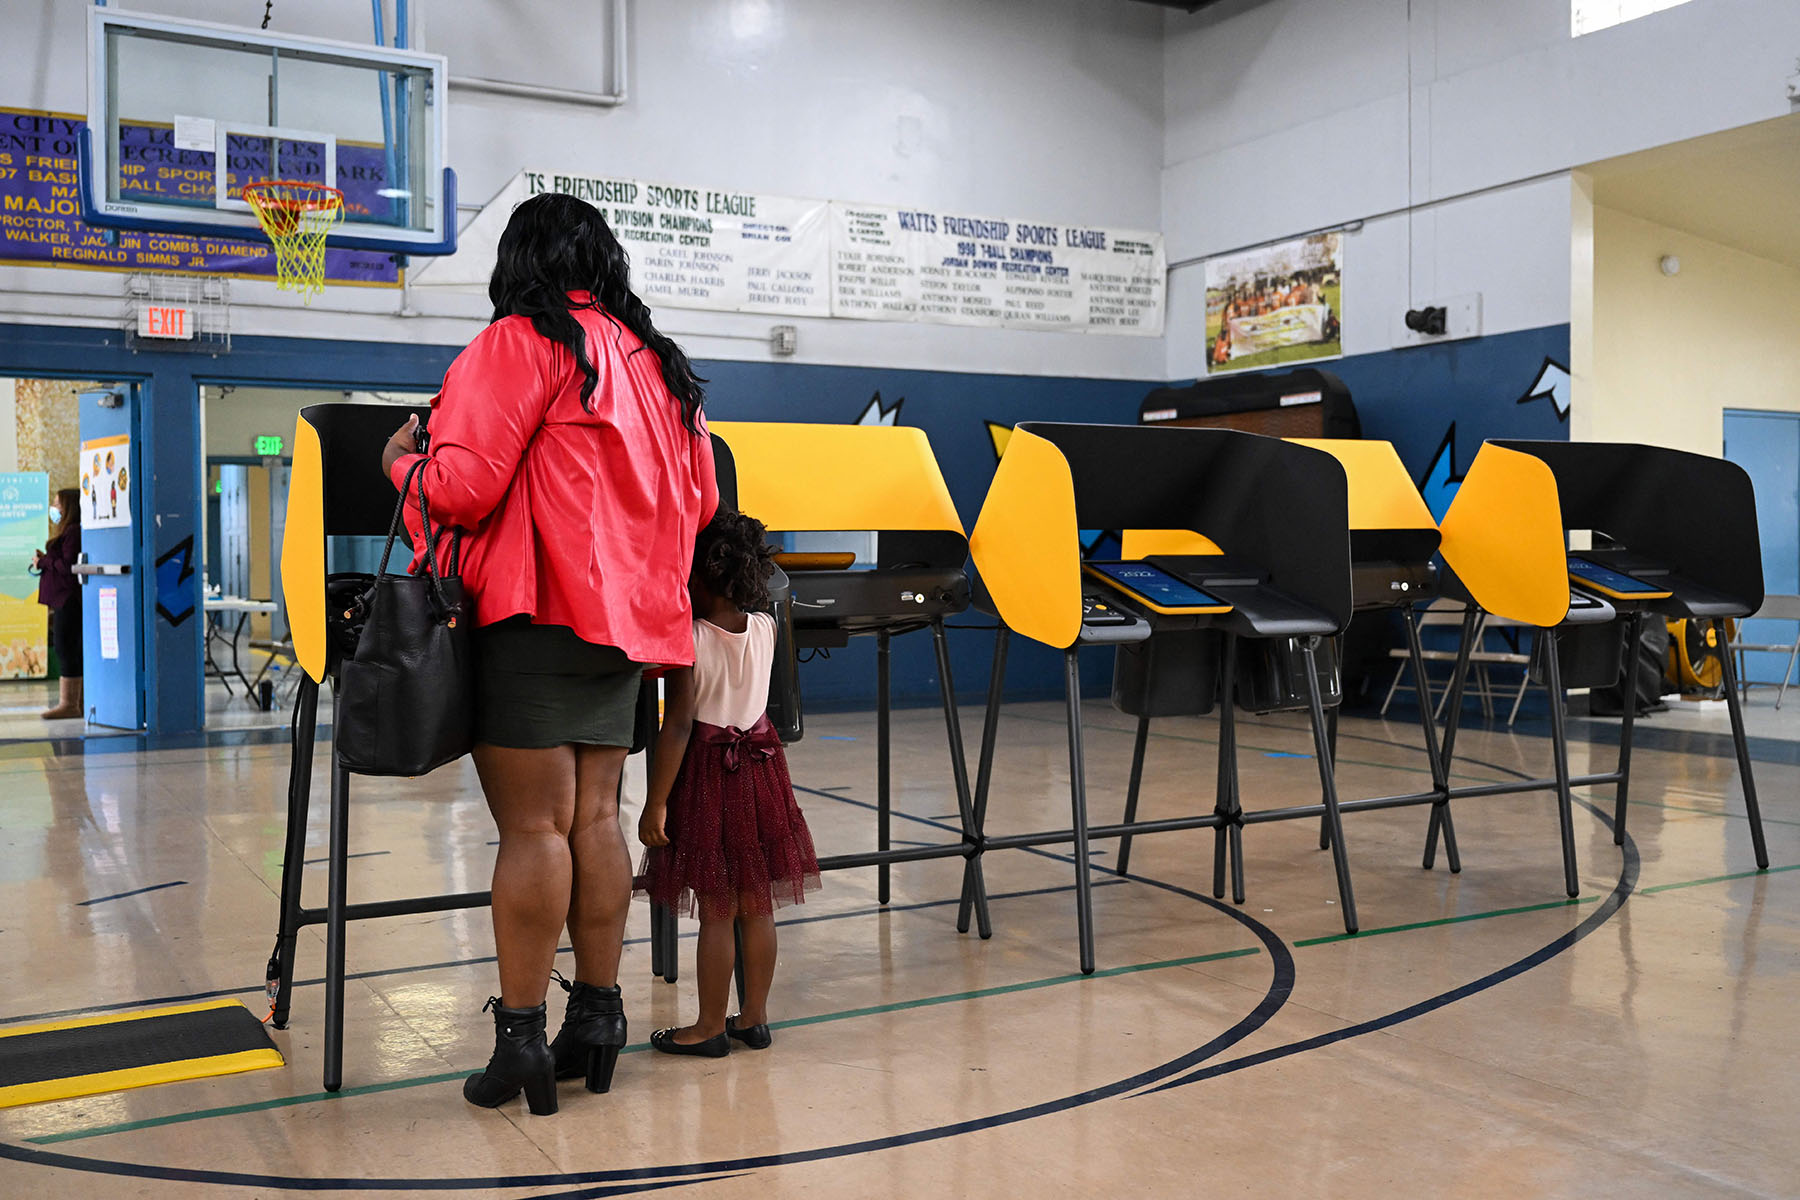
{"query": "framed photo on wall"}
{"type": "Point", "coordinates": [1275, 304]}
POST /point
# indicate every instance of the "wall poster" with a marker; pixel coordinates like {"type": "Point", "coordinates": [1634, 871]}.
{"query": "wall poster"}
{"type": "Point", "coordinates": [1281, 303]}
{"type": "Point", "coordinates": [24, 528]}
{"type": "Point", "coordinates": [106, 482]}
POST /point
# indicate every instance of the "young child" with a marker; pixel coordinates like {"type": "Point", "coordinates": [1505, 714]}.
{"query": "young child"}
{"type": "Point", "coordinates": [727, 839]}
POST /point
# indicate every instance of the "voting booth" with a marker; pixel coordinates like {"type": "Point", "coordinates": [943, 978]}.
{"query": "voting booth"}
{"type": "Point", "coordinates": [1672, 534]}
{"type": "Point", "coordinates": [1259, 565]}
{"type": "Point", "coordinates": [865, 479]}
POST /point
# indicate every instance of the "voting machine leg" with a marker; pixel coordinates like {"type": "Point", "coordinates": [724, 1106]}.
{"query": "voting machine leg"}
{"type": "Point", "coordinates": [990, 726]}
{"type": "Point", "coordinates": [1559, 755]}
{"type": "Point", "coordinates": [1328, 784]}
{"type": "Point", "coordinates": [1131, 792]}
{"type": "Point", "coordinates": [974, 883]}
{"type": "Point", "coordinates": [1331, 718]}
{"type": "Point", "coordinates": [883, 761]}
{"type": "Point", "coordinates": [337, 868]}
{"type": "Point", "coordinates": [1459, 675]}
{"type": "Point", "coordinates": [1627, 718]}
{"type": "Point", "coordinates": [293, 863]}
{"type": "Point", "coordinates": [1084, 897]}
{"type": "Point", "coordinates": [1440, 772]}
{"type": "Point", "coordinates": [1732, 704]}
{"type": "Point", "coordinates": [1228, 837]}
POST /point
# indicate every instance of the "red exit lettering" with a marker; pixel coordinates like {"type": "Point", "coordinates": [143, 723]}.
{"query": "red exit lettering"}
{"type": "Point", "coordinates": [164, 321]}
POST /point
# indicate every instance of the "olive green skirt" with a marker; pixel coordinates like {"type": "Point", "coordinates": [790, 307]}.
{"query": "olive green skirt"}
{"type": "Point", "coordinates": [538, 686]}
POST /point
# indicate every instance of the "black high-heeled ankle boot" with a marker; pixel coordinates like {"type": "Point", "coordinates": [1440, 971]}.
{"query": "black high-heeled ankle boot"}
{"type": "Point", "coordinates": [592, 1034]}
{"type": "Point", "coordinates": [521, 1062]}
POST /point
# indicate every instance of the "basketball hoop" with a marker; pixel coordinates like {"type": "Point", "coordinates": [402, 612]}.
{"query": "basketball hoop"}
{"type": "Point", "coordinates": [296, 216]}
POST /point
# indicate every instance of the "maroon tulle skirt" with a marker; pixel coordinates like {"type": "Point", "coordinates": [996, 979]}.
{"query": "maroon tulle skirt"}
{"type": "Point", "coordinates": [737, 841]}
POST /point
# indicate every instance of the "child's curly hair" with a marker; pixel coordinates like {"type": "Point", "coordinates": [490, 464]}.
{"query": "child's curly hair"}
{"type": "Point", "coordinates": [732, 558]}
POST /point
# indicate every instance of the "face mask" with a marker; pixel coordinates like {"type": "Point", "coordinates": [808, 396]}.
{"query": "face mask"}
{"type": "Point", "coordinates": [55, 513]}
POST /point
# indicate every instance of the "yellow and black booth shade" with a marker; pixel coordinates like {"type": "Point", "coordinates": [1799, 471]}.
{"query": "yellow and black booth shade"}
{"type": "Point", "coordinates": [879, 479]}
{"type": "Point", "coordinates": [1260, 523]}
{"type": "Point", "coordinates": [336, 488]}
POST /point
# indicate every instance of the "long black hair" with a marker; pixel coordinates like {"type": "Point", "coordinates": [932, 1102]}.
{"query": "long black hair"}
{"type": "Point", "coordinates": [557, 244]}
{"type": "Point", "coordinates": [733, 559]}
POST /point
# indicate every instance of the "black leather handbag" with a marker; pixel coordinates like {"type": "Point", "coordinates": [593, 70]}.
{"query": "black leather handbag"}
{"type": "Point", "coordinates": [406, 697]}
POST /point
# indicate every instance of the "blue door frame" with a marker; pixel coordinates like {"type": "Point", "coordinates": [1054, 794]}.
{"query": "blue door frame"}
{"type": "Point", "coordinates": [170, 467]}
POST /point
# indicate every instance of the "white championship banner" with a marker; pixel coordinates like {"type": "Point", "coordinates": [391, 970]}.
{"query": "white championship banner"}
{"type": "Point", "coordinates": [890, 264]}
{"type": "Point", "coordinates": [704, 248]}
{"type": "Point", "coordinates": [748, 252]}
{"type": "Point", "coordinates": [1290, 326]}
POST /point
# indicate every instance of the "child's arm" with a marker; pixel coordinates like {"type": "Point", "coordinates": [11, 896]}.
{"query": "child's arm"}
{"type": "Point", "coordinates": [671, 747]}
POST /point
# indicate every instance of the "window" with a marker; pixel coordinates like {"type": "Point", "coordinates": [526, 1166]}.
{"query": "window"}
{"type": "Point", "coordinates": [1589, 16]}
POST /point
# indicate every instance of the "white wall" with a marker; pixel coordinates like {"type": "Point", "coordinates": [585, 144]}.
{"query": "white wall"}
{"type": "Point", "coordinates": [1291, 115]}
{"type": "Point", "coordinates": [1047, 108]}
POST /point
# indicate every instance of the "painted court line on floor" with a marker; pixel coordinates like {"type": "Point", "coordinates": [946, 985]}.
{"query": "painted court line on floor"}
{"type": "Point", "coordinates": [877, 1010]}
{"type": "Point", "coordinates": [155, 887]}
{"type": "Point", "coordinates": [796, 1022]}
{"type": "Point", "coordinates": [1457, 920]}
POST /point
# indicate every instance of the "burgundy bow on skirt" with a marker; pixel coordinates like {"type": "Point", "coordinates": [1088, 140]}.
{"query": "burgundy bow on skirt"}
{"type": "Point", "coordinates": [738, 843]}
{"type": "Point", "coordinates": [757, 743]}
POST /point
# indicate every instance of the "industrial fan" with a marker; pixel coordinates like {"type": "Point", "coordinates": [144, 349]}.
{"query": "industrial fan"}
{"type": "Point", "coordinates": [1695, 666]}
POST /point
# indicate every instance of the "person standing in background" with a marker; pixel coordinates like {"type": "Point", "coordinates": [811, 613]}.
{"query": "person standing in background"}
{"type": "Point", "coordinates": [59, 592]}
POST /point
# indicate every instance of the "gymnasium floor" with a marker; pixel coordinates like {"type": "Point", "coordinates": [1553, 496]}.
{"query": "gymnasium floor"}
{"type": "Point", "coordinates": [1481, 1037]}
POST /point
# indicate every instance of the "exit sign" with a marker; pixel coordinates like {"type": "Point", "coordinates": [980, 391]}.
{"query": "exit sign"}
{"type": "Point", "coordinates": [166, 321]}
{"type": "Point", "coordinates": [268, 445]}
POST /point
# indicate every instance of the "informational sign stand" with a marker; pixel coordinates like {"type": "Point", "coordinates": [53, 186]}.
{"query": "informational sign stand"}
{"type": "Point", "coordinates": [24, 509]}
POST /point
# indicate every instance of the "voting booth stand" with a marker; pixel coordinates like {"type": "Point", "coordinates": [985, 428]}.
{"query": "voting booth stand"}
{"type": "Point", "coordinates": [1674, 535]}
{"type": "Point", "coordinates": [336, 489]}
{"type": "Point", "coordinates": [865, 479]}
{"type": "Point", "coordinates": [1275, 517]}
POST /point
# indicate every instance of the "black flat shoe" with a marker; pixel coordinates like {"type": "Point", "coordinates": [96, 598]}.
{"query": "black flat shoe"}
{"type": "Point", "coordinates": [757, 1037]}
{"type": "Point", "coordinates": [717, 1046]}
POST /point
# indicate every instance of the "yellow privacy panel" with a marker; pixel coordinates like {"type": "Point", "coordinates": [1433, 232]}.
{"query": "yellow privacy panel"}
{"type": "Point", "coordinates": [1382, 494]}
{"type": "Point", "coordinates": [1503, 536]}
{"type": "Point", "coordinates": [1026, 544]}
{"type": "Point", "coordinates": [838, 477]}
{"type": "Point", "coordinates": [1142, 543]}
{"type": "Point", "coordinates": [303, 552]}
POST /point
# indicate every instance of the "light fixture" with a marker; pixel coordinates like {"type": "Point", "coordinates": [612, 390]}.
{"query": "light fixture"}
{"type": "Point", "coordinates": [1669, 264]}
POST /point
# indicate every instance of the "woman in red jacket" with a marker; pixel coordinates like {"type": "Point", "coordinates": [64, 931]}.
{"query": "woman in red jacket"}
{"type": "Point", "coordinates": [568, 445]}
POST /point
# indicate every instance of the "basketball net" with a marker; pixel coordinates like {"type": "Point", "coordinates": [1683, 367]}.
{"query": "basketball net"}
{"type": "Point", "coordinates": [297, 217]}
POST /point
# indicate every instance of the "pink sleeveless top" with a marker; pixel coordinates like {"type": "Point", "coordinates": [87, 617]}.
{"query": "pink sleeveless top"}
{"type": "Point", "coordinates": [731, 672]}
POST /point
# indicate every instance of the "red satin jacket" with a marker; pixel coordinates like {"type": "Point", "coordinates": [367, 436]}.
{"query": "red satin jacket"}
{"type": "Point", "coordinates": [570, 517]}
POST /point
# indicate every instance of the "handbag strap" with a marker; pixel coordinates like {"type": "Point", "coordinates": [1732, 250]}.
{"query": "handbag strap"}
{"type": "Point", "coordinates": [432, 571]}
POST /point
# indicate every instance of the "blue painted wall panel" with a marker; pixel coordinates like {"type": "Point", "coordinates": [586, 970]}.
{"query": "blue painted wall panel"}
{"type": "Point", "coordinates": [1411, 397]}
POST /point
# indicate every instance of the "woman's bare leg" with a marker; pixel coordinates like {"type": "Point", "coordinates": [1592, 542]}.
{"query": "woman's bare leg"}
{"type": "Point", "coordinates": [601, 899]}
{"type": "Point", "coordinates": [532, 796]}
{"type": "Point", "coordinates": [759, 968]}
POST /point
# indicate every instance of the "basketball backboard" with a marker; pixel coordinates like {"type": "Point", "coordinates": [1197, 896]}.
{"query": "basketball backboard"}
{"type": "Point", "coordinates": [183, 114]}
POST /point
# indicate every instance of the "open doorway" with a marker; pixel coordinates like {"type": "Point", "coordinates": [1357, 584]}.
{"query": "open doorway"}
{"type": "Point", "coordinates": [41, 627]}
{"type": "Point", "coordinates": [247, 654]}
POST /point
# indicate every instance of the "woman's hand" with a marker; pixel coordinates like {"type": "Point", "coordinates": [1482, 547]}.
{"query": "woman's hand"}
{"type": "Point", "coordinates": [37, 560]}
{"type": "Point", "coordinates": [404, 442]}
{"type": "Point", "coordinates": [650, 826]}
